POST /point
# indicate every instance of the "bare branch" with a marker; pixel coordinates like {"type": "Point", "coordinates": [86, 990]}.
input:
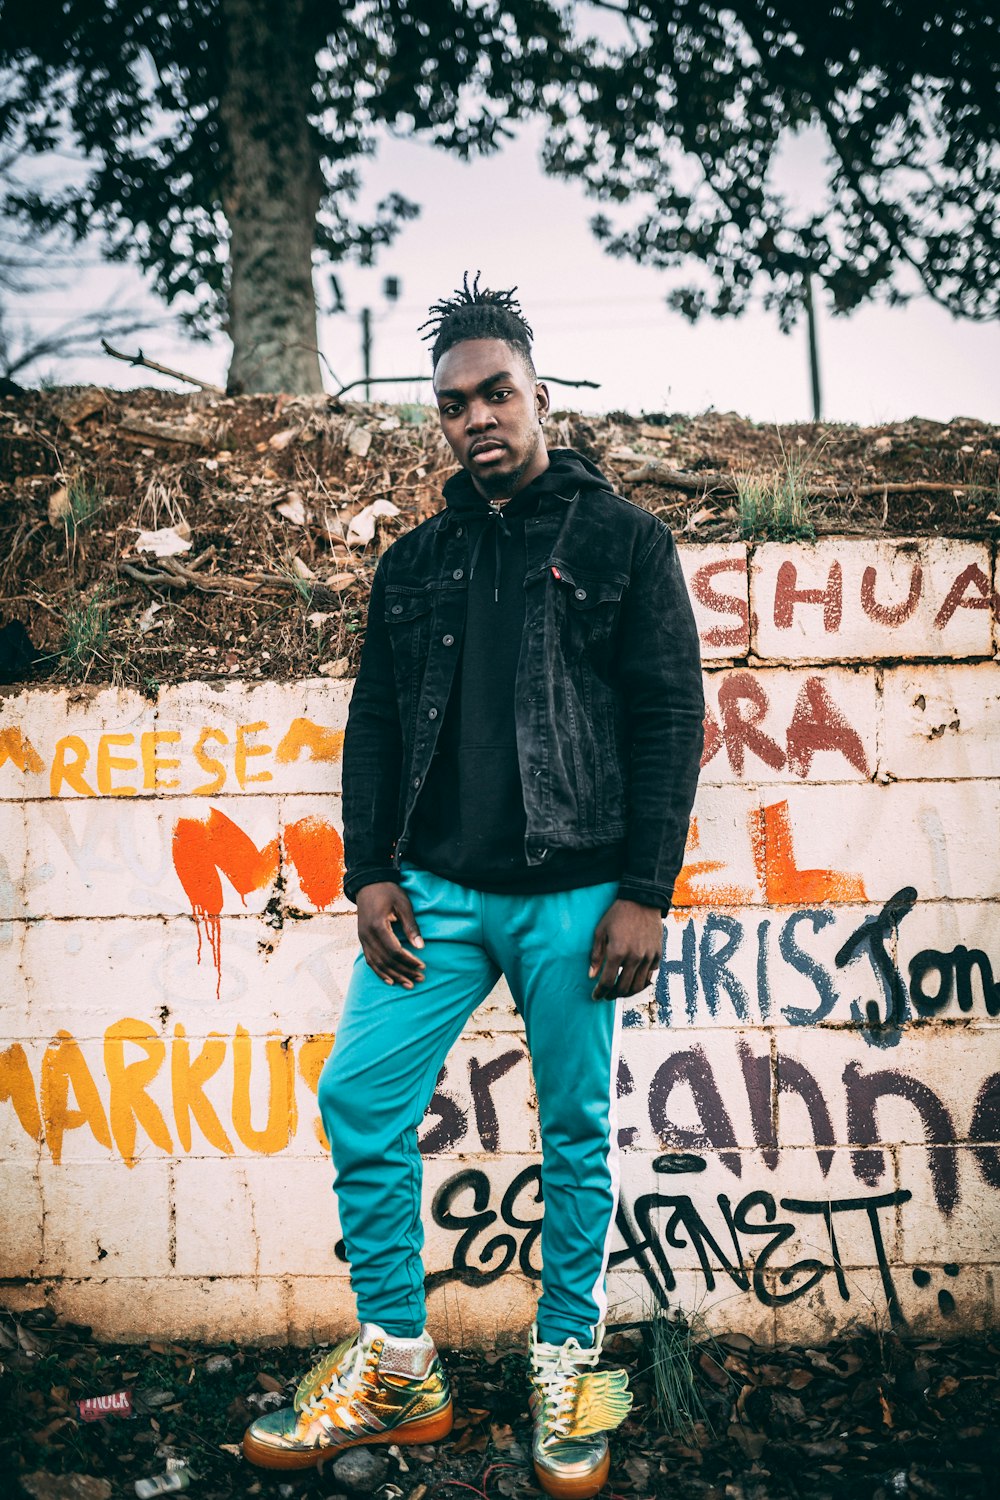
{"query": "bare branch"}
{"type": "Point", "coordinates": [590, 385]}
{"type": "Point", "coordinates": [150, 364]}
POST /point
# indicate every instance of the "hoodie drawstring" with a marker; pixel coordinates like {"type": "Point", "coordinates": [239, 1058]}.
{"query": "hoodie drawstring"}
{"type": "Point", "coordinates": [501, 524]}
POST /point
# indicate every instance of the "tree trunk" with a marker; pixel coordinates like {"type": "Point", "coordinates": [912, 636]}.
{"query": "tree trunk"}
{"type": "Point", "coordinates": [271, 196]}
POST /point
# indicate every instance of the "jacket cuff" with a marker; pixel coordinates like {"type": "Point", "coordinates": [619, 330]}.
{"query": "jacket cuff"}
{"type": "Point", "coordinates": [371, 875]}
{"type": "Point", "coordinates": [645, 895]}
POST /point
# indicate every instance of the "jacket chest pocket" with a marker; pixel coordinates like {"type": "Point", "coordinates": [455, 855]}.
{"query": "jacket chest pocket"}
{"type": "Point", "coordinates": [588, 608]}
{"type": "Point", "coordinates": [408, 620]}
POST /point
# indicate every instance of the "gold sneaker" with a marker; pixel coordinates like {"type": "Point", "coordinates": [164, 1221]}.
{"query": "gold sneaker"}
{"type": "Point", "coordinates": [369, 1389]}
{"type": "Point", "coordinates": [573, 1406]}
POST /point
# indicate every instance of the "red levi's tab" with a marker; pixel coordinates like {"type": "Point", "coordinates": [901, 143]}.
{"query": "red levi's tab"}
{"type": "Point", "coordinates": [96, 1408]}
{"type": "Point", "coordinates": [556, 574]}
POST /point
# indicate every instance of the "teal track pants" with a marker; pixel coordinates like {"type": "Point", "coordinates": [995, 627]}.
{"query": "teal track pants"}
{"type": "Point", "coordinates": [390, 1046]}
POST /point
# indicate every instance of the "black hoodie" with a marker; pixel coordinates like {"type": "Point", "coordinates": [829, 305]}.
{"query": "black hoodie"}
{"type": "Point", "coordinates": [469, 821]}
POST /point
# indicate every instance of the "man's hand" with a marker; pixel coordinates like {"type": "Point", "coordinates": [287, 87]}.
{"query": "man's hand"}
{"type": "Point", "coordinates": [379, 906]}
{"type": "Point", "coordinates": [626, 949]}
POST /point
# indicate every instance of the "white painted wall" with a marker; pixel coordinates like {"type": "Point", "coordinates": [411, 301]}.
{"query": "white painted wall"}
{"type": "Point", "coordinates": [163, 1023]}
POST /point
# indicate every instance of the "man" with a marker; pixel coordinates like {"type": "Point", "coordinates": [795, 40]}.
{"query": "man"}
{"type": "Point", "coordinates": [520, 762]}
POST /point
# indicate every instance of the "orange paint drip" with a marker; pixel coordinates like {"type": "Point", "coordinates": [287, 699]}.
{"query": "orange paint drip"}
{"type": "Point", "coordinates": [201, 849]}
{"type": "Point", "coordinates": [782, 882]}
{"type": "Point", "coordinates": [316, 850]}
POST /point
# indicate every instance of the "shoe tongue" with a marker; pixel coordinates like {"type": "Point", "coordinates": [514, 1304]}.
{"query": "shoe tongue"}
{"type": "Point", "coordinates": [370, 1332]}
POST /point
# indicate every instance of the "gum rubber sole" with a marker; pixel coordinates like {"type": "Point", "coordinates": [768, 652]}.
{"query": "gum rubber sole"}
{"type": "Point", "coordinates": [425, 1430]}
{"type": "Point", "coordinates": [574, 1487]}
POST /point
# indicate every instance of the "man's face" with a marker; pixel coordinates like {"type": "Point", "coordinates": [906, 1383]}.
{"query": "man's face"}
{"type": "Point", "coordinates": [490, 410]}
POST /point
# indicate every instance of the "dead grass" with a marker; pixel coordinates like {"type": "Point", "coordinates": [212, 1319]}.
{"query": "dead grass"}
{"type": "Point", "coordinates": [269, 486]}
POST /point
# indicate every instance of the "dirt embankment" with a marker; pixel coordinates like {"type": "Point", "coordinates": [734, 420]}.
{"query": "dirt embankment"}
{"type": "Point", "coordinates": [147, 538]}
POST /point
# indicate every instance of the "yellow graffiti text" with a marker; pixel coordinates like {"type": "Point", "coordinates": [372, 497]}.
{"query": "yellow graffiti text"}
{"type": "Point", "coordinates": [126, 763]}
{"type": "Point", "coordinates": [254, 1104]}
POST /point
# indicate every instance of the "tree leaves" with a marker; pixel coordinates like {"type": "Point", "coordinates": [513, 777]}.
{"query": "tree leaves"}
{"type": "Point", "coordinates": [686, 118]}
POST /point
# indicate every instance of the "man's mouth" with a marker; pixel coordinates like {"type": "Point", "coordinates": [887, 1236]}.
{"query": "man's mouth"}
{"type": "Point", "coordinates": [487, 451]}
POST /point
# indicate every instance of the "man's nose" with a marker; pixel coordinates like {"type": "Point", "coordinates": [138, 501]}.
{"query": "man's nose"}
{"type": "Point", "coordinates": [479, 417]}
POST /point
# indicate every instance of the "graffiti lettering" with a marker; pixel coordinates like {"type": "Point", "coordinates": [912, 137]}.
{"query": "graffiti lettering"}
{"type": "Point", "coordinates": [499, 1252]}
{"type": "Point", "coordinates": [954, 971]}
{"type": "Point", "coordinates": [705, 963]}
{"type": "Point", "coordinates": [816, 724]}
{"type": "Point", "coordinates": [787, 594]}
{"type": "Point", "coordinates": [70, 769]}
{"type": "Point", "coordinates": [206, 848]}
{"type": "Point", "coordinates": [69, 1097]}
{"type": "Point", "coordinates": [781, 880]}
{"type": "Point", "coordinates": [744, 1248]}
{"type": "Point", "coordinates": [871, 936]}
{"type": "Point", "coordinates": [647, 1241]}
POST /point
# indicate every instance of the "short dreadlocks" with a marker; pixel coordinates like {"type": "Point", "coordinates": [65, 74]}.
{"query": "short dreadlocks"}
{"type": "Point", "coordinates": [476, 313]}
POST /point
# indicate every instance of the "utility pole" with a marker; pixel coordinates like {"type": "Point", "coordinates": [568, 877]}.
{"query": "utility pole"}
{"type": "Point", "coordinates": [366, 349]}
{"type": "Point", "coordinates": [813, 350]}
{"type": "Point", "coordinates": [391, 287]}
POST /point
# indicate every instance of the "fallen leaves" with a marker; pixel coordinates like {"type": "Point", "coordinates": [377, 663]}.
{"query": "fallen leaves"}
{"type": "Point", "coordinates": [361, 528]}
{"type": "Point", "coordinates": [789, 1422]}
{"type": "Point", "coordinates": [341, 480]}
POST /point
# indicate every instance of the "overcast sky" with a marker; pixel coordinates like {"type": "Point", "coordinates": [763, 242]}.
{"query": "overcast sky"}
{"type": "Point", "coordinates": [594, 317]}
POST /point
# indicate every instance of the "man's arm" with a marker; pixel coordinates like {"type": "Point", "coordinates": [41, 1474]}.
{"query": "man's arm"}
{"type": "Point", "coordinates": [373, 763]}
{"type": "Point", "coordinates": [373, 757]}
{"type": "Point", "coordinates": [660, 670]}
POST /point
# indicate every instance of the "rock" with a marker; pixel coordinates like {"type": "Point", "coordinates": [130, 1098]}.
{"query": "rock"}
{"type": "Point", "coordinates": [219, 1364]}
{"type": "Point", "coordinates": [59, 507]}
{"type": "Point", "coordinates": [66, 1487]}
{"type": "Point", "coordinates": [159, 1396]}
{"type": "Point", "coordinates": [266, 1401]}
{"type": "Point", "coordinates": [360, 1470]}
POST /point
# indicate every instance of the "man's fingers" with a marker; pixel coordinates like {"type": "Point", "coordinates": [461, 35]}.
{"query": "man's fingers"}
{"type": "Point", "coordinates": [406, 919]}
{"type": "Point", "coordinates": [635, 977]}
{"type": "Point", "coordinates": [387, 957]}
{"type": "Point", "coordinates": [607, 984]}
{"type": "Point", "coordinates": [623, 974]}
{"type": "Point", "coordinates": [597, 949]}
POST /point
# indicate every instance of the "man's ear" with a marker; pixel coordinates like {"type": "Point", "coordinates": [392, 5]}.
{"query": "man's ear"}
{"type": "Point", "coordinates": [542, 402]}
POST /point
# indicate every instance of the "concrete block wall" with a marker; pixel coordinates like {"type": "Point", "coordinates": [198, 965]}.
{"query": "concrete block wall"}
{"type": "Point", "coordinates": [809, 1093]}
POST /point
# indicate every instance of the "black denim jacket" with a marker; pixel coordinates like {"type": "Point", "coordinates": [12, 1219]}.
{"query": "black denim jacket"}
{"type": "Point", "coordinates": [609, 700]}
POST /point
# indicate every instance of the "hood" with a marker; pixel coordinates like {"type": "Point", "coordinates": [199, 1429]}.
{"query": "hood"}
{"type": "Point", "coordinates": [567, 474]}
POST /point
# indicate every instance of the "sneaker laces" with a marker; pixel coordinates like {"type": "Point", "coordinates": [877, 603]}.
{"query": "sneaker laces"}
{"type": "Point", "coordinates": [339, 1385]}
{"type": "Point", "coordinates": [556, 1369]}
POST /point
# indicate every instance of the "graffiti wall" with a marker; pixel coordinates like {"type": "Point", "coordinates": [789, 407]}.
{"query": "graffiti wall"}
{"type": "Point", "coordinates": [809, 1094]}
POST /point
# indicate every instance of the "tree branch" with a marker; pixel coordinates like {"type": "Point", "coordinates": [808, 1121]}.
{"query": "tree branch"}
{"type": "Point", "coordinates": [590, 385]}
{"type": "Point", "coordinates": [150, 364]}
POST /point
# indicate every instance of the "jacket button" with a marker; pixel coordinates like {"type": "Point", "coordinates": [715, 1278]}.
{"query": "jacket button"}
{"type": "Point", "coordinates": [416, 781]}
{"type": "Point", "coordinates": [458, 573]}
{"type": "Point", "coordinates": [459, 530]}
{"type": "Point", "coordinates": [579, 593]}
{"type": "Point", "coordinates": [432, 713]}
{"type": "Point", "coordinates": [397, 609]}
{"type": "Point", "coordinates": [447, 640]}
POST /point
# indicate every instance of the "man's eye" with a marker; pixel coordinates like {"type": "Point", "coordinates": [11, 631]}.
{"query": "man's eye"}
{"type": "Point", "coordinates": [502, 394]}
{"type": "Point", "coordinates": [451, 411]}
